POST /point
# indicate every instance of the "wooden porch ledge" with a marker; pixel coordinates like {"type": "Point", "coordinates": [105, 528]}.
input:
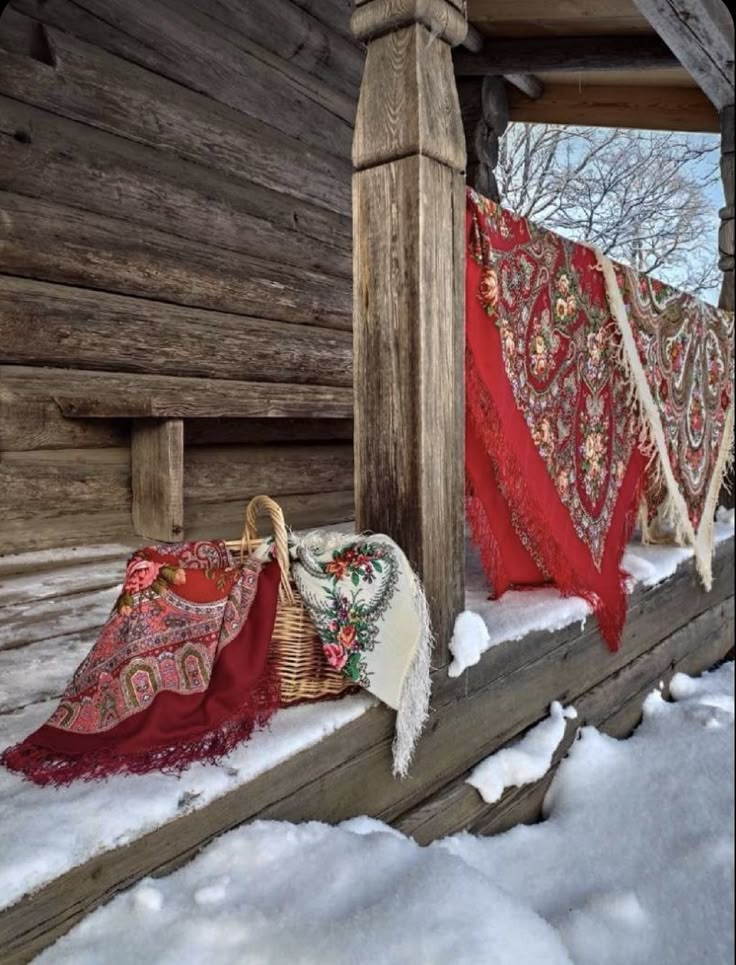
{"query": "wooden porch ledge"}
{"type": "Point", "coordinates": [672, 626]}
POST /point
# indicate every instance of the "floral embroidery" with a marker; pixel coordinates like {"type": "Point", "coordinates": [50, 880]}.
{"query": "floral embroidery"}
{"type": "Point", "coordinates": [561, 355]}
{"type": "Point", "coordinates": [359, 586]}
{"type": "Point", "coordinates": [686, 352]}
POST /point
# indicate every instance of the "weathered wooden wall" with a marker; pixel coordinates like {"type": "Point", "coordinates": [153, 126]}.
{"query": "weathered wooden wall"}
{"type": "Point", "coordinates": [174, 200]}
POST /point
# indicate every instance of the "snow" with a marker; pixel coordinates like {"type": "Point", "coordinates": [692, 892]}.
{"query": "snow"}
{"type": "Point", "coordinates": [524, 762]}
{"type": "Point", "coordinates": [70, 825]}
{"type": "Point", "coordinates": [632, 866]}
{"type": "Point", "coordinates": [521, 612]}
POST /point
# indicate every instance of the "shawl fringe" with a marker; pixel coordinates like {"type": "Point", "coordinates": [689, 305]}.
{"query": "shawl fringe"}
{"type": "Point", "coordinates": [674, 510]}
{"type": "Point", "coordinates": [611, 615]}
{"type": "Point", "coordinates": [46, 767]}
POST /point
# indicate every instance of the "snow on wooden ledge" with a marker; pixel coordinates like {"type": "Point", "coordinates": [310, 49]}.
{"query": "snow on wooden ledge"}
{"type": "Point", "coordinates": [487, 623]}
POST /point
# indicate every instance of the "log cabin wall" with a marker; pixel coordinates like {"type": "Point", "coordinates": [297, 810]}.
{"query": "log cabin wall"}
{"type": "Point", "coordinates": [174, 201]}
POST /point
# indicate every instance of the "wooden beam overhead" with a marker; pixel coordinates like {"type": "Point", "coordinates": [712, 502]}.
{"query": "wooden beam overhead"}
{"type": "Point", "coordinates": [700, 33]}
{"type": "Point", "coordinates": [643, 108]}
{"type": "Point", "coordinates": [524, 54]}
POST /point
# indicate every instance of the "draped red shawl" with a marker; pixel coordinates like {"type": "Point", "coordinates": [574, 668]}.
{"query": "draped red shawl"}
{"type": "Point", "coordinates": [180, 672]}
{"type": "Point", "coordinates": [553, 466]}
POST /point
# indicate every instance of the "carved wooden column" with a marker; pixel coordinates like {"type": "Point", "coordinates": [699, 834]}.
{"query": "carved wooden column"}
{"type": "Point", "coordinates": [408, 237]}
{"type": "Point", "coordinates": [485, 112]}
{"type": "Point", "coordinates": [726, 245]}
{"type": "Point", "coordinates": [726, 234]}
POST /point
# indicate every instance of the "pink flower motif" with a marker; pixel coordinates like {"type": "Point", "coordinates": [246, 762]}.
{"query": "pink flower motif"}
{"type": "Point", "coordinates": [140, 575]}
{"type": "Point", "coordinates": [346, 636]}
{"type": "Point", "coordinates": [336, 656]}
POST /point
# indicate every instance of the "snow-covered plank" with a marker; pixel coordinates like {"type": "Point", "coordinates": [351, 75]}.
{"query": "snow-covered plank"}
{"type": "Point", "coordinates": [44, 584]}
{"type": "Point", "coordinates": [24, 623]}
{"type": "Point", "coordinates": [614, 706]}
{"type": "Point", "coordinates": [49, 559]}
{"type": "Point", "coordinates": [29, 675]}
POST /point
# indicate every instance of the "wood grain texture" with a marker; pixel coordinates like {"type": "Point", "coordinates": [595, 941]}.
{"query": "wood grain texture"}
{"type": "Point", "coordinates": [445, 20]}
{"type": "Point", "coordinates": [85, 394]}
{"type": "Point", "coordinates": [409, 332]}
{"type": "Point", "coordinates": [408, 102]}
{"type": "Point", "coordinates": [177, 42]}
{"type": "Point", "coordinates": [294, 36]}
{"type": "Point", "coordinates": [360, 753]}
{"type": "Point", "coordinates": [105, 91]}
{"type": "Point", "coordinates": [726, 233]}
{"type": "Point", "coordinates": [224, 520]}
{"type": "Point", "coordinates": [613, 52]}
{"type": "Point", "coordinates": [42, 484]}
{"type": "Point", "coordinates": [71, 164]}
{"type": "Point", "coordinates": [223, 473]}
{"type": "Point", "coordinates": [648, 108]}
{"type": "Point", "coordinates": [157, 478]}
{"type": "Point", "coordinates": [701, 35]}
{"type": "Point", "coordinates": [408, 291]}
{"type": "Point", "coordinates": [97, 330]}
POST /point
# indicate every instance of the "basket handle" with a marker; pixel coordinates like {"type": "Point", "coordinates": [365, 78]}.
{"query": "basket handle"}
{"type": "Point", "coordinates": [281, 540]}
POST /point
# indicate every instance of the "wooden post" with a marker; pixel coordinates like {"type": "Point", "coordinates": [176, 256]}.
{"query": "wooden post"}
{"type": "Point", "coordinates": [157, 474]}
{"type": "Point", "coordinates": [408, 268]}
{"type": "Point", "coordinates": [726, 245]}
{"type": "Point", "coordinates": [485, 112]}
{"type": "Point", "coordinates": [726, 234]}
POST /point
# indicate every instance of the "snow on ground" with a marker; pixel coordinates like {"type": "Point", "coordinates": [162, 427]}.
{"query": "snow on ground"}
{"type": "Point", "coordinates": [72, 824]}
{"type": "Point", "coordinates": [521, 612]}
{"type": "Point", "coordinates": [524, 762]}
{"type": "Point", "coordinates": [633, 866]}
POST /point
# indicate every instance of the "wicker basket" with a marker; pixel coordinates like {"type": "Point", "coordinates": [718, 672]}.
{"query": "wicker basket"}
{"type": "Point", "coordinates": [304, 671]}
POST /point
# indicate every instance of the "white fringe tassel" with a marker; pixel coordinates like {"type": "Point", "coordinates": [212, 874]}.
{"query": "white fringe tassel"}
{"type": "Point", "coordinates": [414, 702]}
{"type": "Point", "coordinates": [653, 443]}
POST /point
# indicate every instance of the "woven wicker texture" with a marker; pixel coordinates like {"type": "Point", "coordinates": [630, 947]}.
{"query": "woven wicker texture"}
{"type": "Point", "coordinates": [296, 647]}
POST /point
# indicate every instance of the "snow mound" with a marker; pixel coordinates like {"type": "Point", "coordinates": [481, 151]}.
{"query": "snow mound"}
{"type": "Point", "coordinates": [524, 762]}
{"type": "Point", "coordinates": [470, 639]}
{"type": "Point", "coordinates": [272, 893]}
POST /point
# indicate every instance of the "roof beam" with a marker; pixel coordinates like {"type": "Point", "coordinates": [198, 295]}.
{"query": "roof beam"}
{"type": "Point", "coordinates": [527, 83]}
{"type": "Point", "coordinates": [645, 108]}
{"type": "Point", "coordinates": [524, 54]}
{"type": "Point", "coordinates": [700, 34]}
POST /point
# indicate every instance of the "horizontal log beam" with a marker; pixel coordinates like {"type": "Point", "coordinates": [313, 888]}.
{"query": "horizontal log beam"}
{"type": "Point", "coordinates": [112, 395]}
{"type": "Point", "coordinates": [646, 108]}
{"type": "Point", "coordinates": [97, 330]}
{"type": "Point", "coordinates": [514, 55]}
{"type": "Point", "coordinates": [700, 33]}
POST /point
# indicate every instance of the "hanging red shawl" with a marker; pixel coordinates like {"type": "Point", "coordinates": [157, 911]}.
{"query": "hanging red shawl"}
{"type": "Point", "coordinates": [180, 672]}
{"type": "Point", "coordinates": [553, 466]}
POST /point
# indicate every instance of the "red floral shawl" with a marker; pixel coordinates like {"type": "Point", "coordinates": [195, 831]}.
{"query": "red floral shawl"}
{"type": "Point", "coordinates": [552, 463]}
{"type": "Point", "coordinates": [180, 672]}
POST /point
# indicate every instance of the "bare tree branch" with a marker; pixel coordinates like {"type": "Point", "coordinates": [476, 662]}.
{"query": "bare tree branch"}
{"type": "Point", "coordinates": [644, 197]}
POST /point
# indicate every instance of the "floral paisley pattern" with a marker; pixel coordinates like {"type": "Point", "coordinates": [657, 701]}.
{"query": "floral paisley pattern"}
{"type": "Point", "coordinates": [685, 349]}
{"type": "Point", "coordinates": [156, 639]}
{"type": "Point", "coordinates": [560, 352]}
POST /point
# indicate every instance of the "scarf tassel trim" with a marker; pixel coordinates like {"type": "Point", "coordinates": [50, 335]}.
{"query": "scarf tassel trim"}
{"type": "Point", "coordinates": [674, 509]}
{"type": "Point", "coordinates": [45, 767]}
